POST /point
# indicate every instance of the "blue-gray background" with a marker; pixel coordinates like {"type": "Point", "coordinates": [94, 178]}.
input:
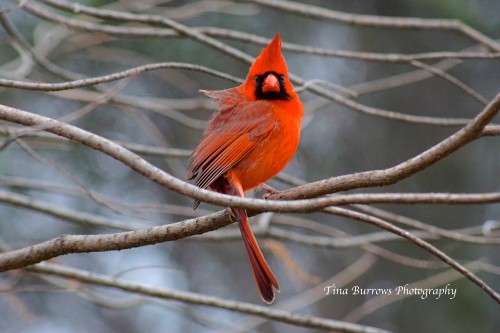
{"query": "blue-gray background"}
{"type": "Point", "coordinates": [335, 141]}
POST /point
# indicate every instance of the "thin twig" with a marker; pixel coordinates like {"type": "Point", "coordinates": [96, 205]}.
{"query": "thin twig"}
{"type": "Point", "coordinates": [135, 147]}
{"type": "Point", "coordinates": [66, 214]}
{"type": "Point", "coordinates": [112, 77]}
{"type": "Point", "coordinates": [453, 80]}
{"type": "Point", "coordinates": [432, 229]}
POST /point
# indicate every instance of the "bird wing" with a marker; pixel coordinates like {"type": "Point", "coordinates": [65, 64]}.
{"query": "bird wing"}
{"type": "Point", "coordinates": [232, 134]}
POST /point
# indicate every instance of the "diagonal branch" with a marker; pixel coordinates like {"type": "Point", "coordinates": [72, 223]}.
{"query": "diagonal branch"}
{"type": "Point", "coordinates": [402, 170]}
{"type": "Point", "coordinates": [66, 244]}
{"type": "Point", "coordinates": [311, 190]}
{"type": "Point", "coordinates": [419, 242]}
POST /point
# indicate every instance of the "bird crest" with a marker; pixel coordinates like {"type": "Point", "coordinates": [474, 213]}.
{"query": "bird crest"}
{"type": "Point", "coordinates": [269, 60]}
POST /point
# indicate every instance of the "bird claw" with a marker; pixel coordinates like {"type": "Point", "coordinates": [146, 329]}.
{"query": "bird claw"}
{"type": "Point", "coordinates": [232, 215]}
{"type": "Point", "coordinates": [269, 189]}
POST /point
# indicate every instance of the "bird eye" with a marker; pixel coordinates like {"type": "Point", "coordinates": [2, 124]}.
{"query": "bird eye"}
{"type": "Point", "coordinates": [258, 80]}
{"type": "Point", "coordinates": [281, 77]}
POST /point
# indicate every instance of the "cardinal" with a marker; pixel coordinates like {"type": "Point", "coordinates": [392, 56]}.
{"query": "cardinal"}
{"type": "Point", "coordinates": [249, 139]}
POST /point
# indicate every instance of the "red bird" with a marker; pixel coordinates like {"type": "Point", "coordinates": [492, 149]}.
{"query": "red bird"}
{"type": "Point", "coordinates": [249, 140]}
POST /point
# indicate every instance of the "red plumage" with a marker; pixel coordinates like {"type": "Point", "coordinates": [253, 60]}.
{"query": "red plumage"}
{"type": "Point", "coordinates": [249, 140]}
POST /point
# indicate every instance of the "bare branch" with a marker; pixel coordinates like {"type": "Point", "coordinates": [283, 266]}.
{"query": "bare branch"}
{"type": "Point", "coordinates": [239, 55]}
{"type": "Point", "coordinates": [135, 147]}
{"type": "Point", "coordinates": [112, 77]}
{"type": "Point", "coordinates": [379, 21]}
{"type": "Point", "coordinates": [344, 242]}
{"type": "Point", "coordinates": [402, 170]}
{"type": "Point", "coordinates": [342, 183]}
{"type": "Point", "coordinates": [453, 80]}
{"type": "Point", "coordinates": [419, 242]}
{"type": "Point", "coordinates": [129, 31]}
{"type": "Point", "coordinates": [66, 244]}
{"type": "Point", "coordinates": [78, 49]}
{"type": "Point", "coordinates": [66, 214]}
{"type": "Point", "coordinates": [371, 248]}
{"type": "Point", "coordinates": [88, 243]}
{"type": "Point", "coordinates": [193, 298]}
{"type": "Point", "coordinates": [432, 229]}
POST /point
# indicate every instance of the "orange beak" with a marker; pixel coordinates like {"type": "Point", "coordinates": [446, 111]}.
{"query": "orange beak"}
{"type": "Point", "coordinates": [270, 84]}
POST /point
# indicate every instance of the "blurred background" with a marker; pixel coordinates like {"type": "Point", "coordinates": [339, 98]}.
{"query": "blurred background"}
{"type": "Point", "coordinates": [161, 116]}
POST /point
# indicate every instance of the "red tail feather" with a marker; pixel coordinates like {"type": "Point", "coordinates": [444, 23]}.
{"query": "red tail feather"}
{"type": "Point", "coordinates": [264, 277]}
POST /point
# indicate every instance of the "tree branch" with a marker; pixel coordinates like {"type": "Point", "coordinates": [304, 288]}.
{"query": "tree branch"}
{"type": "Point", "coordinates": [402, 170]}
{"type": "Point", "coordinates": [319, 188]}
{"type": "Point", "coordinates": [129, 31]}
{"type": "Point", "coordinates": [99, 28]}
{"type": "Point", "coordinates": [113, 77]}
{"type": "Point", "coordinates": [192, 298]}
{"type": "Point", "coordinates": [239, 55]}
{"type": "Point", "coordinates": [379, 21]}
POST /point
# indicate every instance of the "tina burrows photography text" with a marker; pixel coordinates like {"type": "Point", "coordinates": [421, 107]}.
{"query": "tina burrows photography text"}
{"type": "Point", "coordinates": [401, 290]}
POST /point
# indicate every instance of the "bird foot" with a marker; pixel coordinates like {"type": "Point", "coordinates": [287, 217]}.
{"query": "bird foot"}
{"type": "Point", "coordinates": [269, 189]}
{"type": "Point", "coordinates": [232, 215]}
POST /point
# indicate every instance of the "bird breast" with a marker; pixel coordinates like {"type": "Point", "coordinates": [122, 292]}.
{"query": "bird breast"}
{"type": "Point", "coordinates": [273, 152]}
